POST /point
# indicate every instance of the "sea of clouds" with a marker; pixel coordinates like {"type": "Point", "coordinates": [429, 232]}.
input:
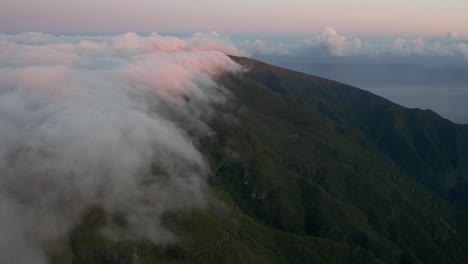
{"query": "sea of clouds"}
{"type": "Point", "coordinates": [329, 42]}
{"type": "Point", "coordinates": [103, 121]}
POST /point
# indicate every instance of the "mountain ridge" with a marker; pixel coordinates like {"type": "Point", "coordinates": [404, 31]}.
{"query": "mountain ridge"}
{"type": "Point", "coordinates": [384, 109]}
{"type": "Point", "coordinates": [303, 172]}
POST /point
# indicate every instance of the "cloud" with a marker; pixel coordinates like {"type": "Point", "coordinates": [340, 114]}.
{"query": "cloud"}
{"type": "Point", "coordinates": [268, 46]}
{"type": "Point", "coordinates": [462, 49]}
{"type": "Point", "coordinates": [452, 35]}
{"type": "Point", "coordinates": [448, 47]}
{"type": "Point", "coordinates": [326, 43]}
{"type": "Point", "coordinates": [33, 38]}
{"type": "Point", "coordinates": [338, 45]}
{"type": "Point", "coordinates": [13, 54]}
{"type": "Point", "coordinates": [110, 122]}
{"type": "Point", "coordinates": [408, 47]}
{"type": "Point", "coordinates": [215, 41]}
{"type": "Point", "coordinates": [329, 42]}
{"type": "Point", "coordinates": [132, 42]}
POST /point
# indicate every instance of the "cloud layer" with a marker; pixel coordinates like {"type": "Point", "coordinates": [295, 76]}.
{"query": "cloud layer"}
{"type": "Point", "coordinates": [102, 121]}
{"type": "Point", "coordinates": [329, 42]}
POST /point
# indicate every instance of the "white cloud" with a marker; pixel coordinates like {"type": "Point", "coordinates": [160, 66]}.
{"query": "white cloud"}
{"type": "Point", "coordinates": [329, 42]}
{"type": "Point", "coordinates": [85, 120]}
{"type": "Point", "coordinates": [335, 42]}
{"type": "Point", "coordinates": [452, 35]}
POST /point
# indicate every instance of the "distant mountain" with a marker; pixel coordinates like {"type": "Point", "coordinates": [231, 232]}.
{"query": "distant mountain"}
{"type": "Point", "coordinates": [308, 170]}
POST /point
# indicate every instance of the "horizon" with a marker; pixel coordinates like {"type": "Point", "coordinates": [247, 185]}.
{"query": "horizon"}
{"type": "Point", "coordinates": [240, 33]}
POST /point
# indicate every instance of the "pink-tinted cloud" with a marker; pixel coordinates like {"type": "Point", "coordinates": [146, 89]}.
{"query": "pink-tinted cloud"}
{"type": "Point", "coordinates": [337, 44]}
{"type": "Point", "coordinates": [83, 121]}
{"type": "Point", "coordinates": [133, 43]}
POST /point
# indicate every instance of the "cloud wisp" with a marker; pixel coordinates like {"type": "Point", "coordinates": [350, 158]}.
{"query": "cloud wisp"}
{"type": "Point", "coordinates": [102, 121]}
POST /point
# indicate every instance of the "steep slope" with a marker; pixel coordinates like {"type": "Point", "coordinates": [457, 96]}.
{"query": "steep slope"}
{"type": "Point", "coordinates": [429, 148]}
{"type": "Point", "coordinates": [307, 170]}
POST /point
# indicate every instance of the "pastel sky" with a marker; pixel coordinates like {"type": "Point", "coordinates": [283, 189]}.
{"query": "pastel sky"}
{"type": "Point", "coordinates": [239, 16]}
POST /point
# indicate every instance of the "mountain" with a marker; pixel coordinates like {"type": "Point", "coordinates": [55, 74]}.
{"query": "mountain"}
{"type": "Point", "coordinates": [429, 148]}
{"type": "Point", "coordinates": [308, 170]}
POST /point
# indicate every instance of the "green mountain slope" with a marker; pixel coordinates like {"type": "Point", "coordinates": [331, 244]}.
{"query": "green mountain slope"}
{"type": "Point", "coordinates": [307, 170]}
{"type": "Point", "coordinates": [429, 148]}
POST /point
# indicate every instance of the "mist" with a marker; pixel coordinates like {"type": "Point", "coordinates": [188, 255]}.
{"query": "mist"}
{"type": "Point", "coordinates": [104, 121]}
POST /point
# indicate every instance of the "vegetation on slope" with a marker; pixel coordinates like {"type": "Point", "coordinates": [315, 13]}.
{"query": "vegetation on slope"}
{"type": "Point", "coordinates": [307, 170]}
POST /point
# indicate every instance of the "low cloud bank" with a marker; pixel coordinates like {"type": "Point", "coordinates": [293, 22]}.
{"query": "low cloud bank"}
{"type": "Point", "coordinates": [106, 121]}
{"type": "Point", "coordinates": [329, 42]}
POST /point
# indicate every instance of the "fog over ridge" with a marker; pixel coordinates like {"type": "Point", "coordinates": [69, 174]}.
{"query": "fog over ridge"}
{"type": "Point", "coordinates": [85, 119]}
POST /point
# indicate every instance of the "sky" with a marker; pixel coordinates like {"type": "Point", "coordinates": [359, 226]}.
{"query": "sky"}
{"type": "Point", "coordinates": [428, 17]}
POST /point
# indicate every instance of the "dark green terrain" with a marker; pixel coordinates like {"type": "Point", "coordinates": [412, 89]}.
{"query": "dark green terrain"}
{"type": "Point", "coordinates": [308, 170]}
